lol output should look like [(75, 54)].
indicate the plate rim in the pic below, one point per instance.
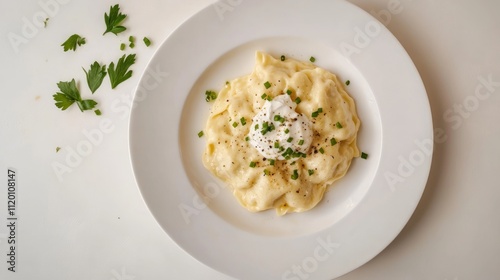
[(201, 12)]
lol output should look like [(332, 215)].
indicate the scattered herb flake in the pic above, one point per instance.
[(210, 95), (95, 76), (333, 141), (70, 94), (113, 20), (72, 42), (120, 73)]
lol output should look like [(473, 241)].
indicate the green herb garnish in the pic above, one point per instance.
[(113, 20), (364, 155), (70, 94), (120, 73), (333, 141), (72, 42), (95, 76), (210, 95), (200, 134), (295, 175)]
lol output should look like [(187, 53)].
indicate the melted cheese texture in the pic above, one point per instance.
[(297, 183)]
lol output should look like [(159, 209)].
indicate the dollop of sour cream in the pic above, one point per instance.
[(277, 129)]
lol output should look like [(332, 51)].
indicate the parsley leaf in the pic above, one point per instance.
[(121, 73), (72, 42), (70, 94), (113, 20), (95, 76)]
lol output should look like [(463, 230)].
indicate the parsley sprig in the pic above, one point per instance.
[(114, 19), (95, 76), (70, 94), (72, 42), (120, 73)]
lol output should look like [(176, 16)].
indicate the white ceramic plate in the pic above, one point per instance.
[(359, 216)]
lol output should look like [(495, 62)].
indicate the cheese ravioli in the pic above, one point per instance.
[(298, 182)]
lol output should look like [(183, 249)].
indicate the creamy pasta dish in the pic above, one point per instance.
[(281, 135)]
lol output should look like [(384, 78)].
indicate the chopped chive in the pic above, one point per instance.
[(276, 144), (293, 163), (210, 95), (277, 118), (256, 126), (295, 175), (227, 82), (289, 140), (271, 162), (282, 149), (58, 149), (247, 138), (131, 39), (252, 164), (269, 98), (310, 171), (286, 131), (287, 153), (312, 59), (333, 141), (122, 47), (347, 82), (321, 150), (320, 110), (98, 112), (243, 121), (146, 41), (296, 154), (289, 92), (338, 125), (266, 172), (364, 155), (235, 124), (314, 114), (131, 45), (263, 96), (267, 84), (200, 134), (301, 142), (297, 100), (282, 58)]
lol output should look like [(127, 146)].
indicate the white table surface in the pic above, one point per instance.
[(91, 222)]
